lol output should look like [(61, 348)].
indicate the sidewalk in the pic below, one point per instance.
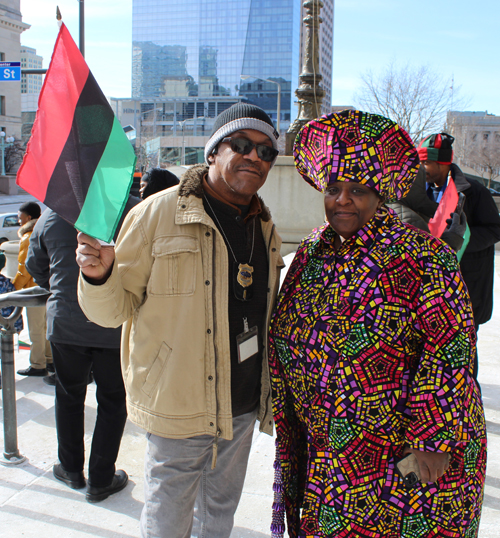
[(35, 505), (9, 203)]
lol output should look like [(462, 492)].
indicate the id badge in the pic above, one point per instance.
[(248, 344)]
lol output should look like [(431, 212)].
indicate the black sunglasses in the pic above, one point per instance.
[(243, 146)]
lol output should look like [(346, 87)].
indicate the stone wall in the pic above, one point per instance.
[(296, 207), (8, 185)]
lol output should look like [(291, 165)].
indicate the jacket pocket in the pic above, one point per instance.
[(174, 266), (156, 370)]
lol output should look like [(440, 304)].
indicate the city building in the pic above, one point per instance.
[(31, 85), (188, 53), (31, 60), (477, 142), (11, 27), (171, 131)]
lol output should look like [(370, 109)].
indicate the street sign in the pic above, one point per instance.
[(10, 70)]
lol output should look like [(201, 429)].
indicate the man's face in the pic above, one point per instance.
[(142, 187), (238, 177), (435, 173)]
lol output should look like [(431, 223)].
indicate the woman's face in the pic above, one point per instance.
[(349, 206)]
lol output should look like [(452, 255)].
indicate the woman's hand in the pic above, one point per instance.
[(432, 465), (94, 259)]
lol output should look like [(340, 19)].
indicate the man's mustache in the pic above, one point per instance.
[(253, 168)]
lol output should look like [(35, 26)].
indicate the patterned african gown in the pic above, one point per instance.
[(371, 350)]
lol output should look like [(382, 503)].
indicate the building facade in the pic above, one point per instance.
[(31, 85), (169, 131), (477, 142), (203, 51), (31, 60), (11, 27)]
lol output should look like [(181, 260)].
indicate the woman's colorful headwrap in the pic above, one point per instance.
[(357, 146)]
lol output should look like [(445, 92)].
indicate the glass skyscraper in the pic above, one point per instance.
[(188, 49), (192, 59)]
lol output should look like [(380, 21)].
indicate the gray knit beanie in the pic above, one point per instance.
[(238, 117)]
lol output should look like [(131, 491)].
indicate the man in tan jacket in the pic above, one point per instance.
[(40, 353), (193, 282)]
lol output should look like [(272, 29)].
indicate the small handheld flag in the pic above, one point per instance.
[(78, 161), (447, 205)]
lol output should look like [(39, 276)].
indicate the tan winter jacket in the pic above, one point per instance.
[(169, 287)]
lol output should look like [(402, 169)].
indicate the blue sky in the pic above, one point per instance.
[(457, 38)]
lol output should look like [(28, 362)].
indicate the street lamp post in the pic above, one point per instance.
[(278, 106), (4, 144), (183, 154), (142, 119), (309, 93), (181, 124)]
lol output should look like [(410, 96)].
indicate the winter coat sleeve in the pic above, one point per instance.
[(23, 279), (37, 260), (112, 303), (444, 401), (483, 219), (6, 287)]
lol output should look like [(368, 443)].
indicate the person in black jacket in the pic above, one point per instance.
[(477, 264), (79, 346), (156, 180)]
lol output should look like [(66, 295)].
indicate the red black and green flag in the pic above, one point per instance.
[(78, 161)]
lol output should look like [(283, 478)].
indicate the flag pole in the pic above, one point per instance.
[(82, 27)]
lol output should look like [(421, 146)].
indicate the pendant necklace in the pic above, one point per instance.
[(242, 273)]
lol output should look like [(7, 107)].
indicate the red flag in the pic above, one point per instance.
[(79, 161), (447, 205)]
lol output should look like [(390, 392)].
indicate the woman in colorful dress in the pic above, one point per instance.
[(372, 341)]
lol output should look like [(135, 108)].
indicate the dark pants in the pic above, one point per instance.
[(73, 365), (476, 358)]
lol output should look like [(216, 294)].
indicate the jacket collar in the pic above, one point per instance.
[(459, 178), (26, 228), (190, 198)]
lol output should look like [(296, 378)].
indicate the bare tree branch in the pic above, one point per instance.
[(486, 161), (417, 98), (14, 156)]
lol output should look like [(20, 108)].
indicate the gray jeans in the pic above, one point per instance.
[(184, 497)]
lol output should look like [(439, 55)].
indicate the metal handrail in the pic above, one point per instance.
[(29, 297)]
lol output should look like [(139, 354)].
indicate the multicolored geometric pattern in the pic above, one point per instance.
[(371, 350), (357, 146)]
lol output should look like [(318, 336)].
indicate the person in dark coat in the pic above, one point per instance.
[(417, 209), (79, 347), (156, 180), (477, 263)]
